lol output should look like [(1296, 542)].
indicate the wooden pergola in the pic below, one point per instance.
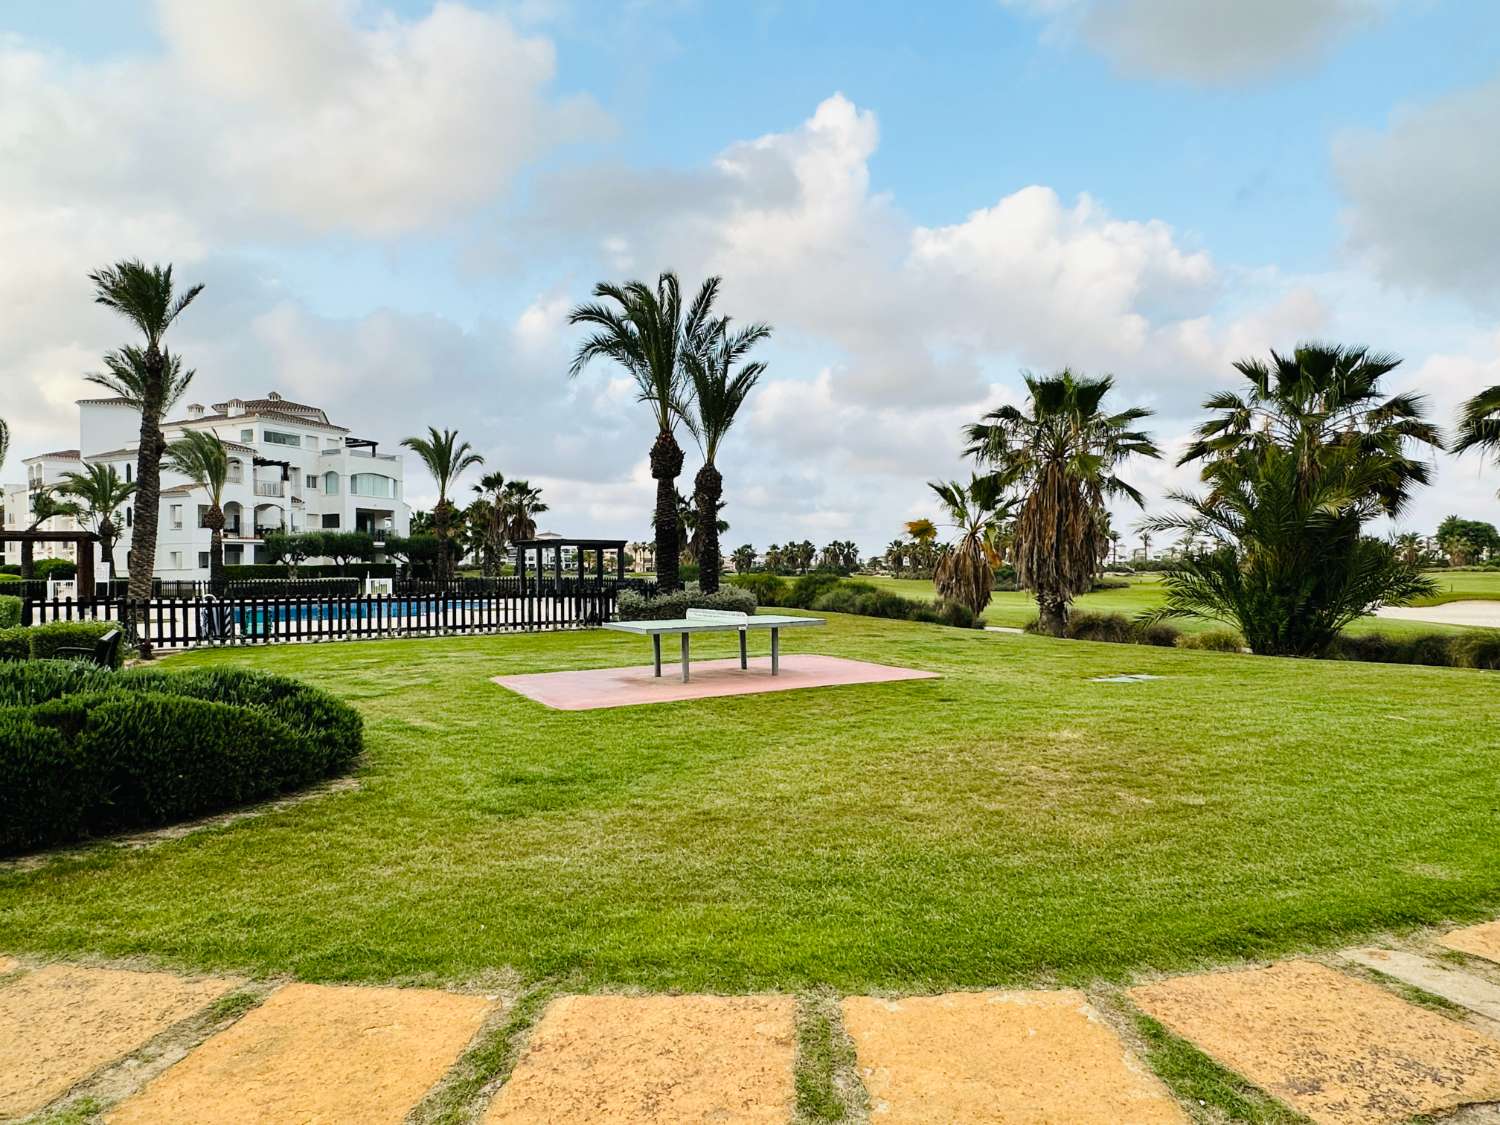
[(524, 548)]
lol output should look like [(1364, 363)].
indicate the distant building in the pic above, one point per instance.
[(642, 558), (290, 469)]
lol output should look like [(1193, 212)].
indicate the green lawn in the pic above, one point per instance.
[(1011, 822), (1016, 608)]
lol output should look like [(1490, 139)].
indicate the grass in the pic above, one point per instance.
[(1198, 1080), (1011, 823), (1014, 608)]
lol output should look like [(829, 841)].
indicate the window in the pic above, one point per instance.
[(129, 469), (372, 484), (276, 437), (129, 517), (203, 560), (312, 482), (330, 521), (176, 560), (331, 483), (247, 436), (177, 516), (202, 515)]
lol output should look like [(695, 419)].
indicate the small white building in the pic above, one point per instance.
[(290, 469)]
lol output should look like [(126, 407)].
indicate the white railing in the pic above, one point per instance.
[(270, 488)]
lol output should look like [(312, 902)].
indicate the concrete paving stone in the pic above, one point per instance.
[(1477, 941), (1447, 981)]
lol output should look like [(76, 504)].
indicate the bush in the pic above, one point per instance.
[(15, 644), (59, 569), (47, 639), (663, 607), (241, 571), (86, 749), (769, 589), (10, 611), (810, 587), (1214, 640), (1477, 649), (1115, 628)]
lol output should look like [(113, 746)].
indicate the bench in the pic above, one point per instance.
[(713, 621), (104, 651)]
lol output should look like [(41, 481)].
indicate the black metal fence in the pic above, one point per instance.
[(167, 623)]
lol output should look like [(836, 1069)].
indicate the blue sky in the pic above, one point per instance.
[(394, 205)]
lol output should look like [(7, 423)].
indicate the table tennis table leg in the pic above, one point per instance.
[(656, 652), (685, 657), (775, 652), (744, 658)]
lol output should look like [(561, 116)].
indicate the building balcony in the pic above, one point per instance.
[(270, 488)]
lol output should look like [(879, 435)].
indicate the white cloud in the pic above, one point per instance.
[(1205, 41), (294, 115), (1422, 194)]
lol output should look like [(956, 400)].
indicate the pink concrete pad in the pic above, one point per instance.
[(626, 687)]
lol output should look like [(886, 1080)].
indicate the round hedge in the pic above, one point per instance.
[(86, 750)]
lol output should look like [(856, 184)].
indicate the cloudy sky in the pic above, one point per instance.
[(394, 204)]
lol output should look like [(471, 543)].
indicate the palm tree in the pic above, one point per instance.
[(44, 506), (4, 441), (648, 333), (1114, 546), (895, 555), (1479, 424), (966, 574), (521, 504), (201, 457), (100, 492), (151, 379), (446, 459), (1409, 547), (744, 558), (774, 560), (488, 514), (721, 382), (1061, 454)]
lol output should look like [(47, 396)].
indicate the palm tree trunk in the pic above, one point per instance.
[(1052, 612), (666, 466), (147, 489), (708, 487), (213, 519), (107, 544)]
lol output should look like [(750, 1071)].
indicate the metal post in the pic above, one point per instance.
[(685, 636), (557, 571), (619, 564), (656, 652), (744, 658), (775, 652)]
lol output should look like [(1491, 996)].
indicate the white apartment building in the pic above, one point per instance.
[(290, 469)]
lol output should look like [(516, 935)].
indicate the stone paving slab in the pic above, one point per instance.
[(61, 1023), (1477, 941), (313, 1053), (666, 1059), (1447, 981), (1340, 1050), (1000, 1057)]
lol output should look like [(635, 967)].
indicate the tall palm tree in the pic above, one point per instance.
[(721, 382), (1060, 454), (44, 506), (966, 574), (201, 457), (489, 521), (521, 504), (744, 558), (895, 555), (1479, 424), (100, 493), (1409, 547), (4, 441), (151, 379), (648, 332), (446, 459)]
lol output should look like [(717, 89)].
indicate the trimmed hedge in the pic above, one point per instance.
[(10, 611), (769, 589), (46, 639), (1214, 640), (1116, 628), (85, 750), (305, 570), (663, 607), (1477, 648), (866, 600)]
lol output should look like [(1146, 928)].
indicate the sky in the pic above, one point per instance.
[(393, 206)]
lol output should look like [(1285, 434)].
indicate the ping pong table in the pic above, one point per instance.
[(713, 621)]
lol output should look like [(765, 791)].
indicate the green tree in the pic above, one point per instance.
[(1479, 534), (744, 559), (201, 457), (446, 459), (521, 504), (151, 379), (895, 555), (1479, 424), (648, 332), (45, 505), (1060, 455), (966, 574), (487, 515), (720, 381), (100, 493)]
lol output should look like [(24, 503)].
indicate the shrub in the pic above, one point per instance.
[(59, 569), (810, 587), (1214, 640), (1381, 648), (86, 749), (769, 589), (15, 644), (1157, 633), (1477, 649), (10, 611), (1115, 628), (47, 639), (662, 607)]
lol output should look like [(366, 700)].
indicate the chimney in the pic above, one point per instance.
[(195, 410), (235, 407)]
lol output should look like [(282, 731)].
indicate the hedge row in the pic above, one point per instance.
[(41, 642), (304, 570), (10, 611), (665, 607), (85, 750), (826, 591)]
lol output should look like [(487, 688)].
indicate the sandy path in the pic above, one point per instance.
[(1477, 613)]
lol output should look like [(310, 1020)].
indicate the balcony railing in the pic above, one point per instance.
[(270, 488)]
